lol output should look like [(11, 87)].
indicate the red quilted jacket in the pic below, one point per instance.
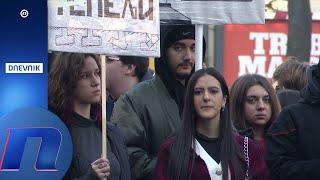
[(257, 168)]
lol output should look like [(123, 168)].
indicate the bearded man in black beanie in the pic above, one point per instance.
[(292, 143), (150, 112)]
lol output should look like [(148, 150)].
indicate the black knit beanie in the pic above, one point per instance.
[(181, 32)]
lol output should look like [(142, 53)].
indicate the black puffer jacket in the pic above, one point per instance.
[(292, 143)]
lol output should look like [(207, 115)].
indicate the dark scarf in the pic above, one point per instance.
[(169, 35), (174, 87), (311, 93)]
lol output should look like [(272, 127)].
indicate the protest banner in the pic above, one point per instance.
[(119, 27), (220, 11)]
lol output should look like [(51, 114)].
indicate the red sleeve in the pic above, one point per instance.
[(257, 163), (160, 171)]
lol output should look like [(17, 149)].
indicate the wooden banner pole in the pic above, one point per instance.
[(104, 106)]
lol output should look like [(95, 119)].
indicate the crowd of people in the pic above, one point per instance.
[(179, 123)]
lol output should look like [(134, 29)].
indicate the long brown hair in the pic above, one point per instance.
[(238, 96), (185, 140), (64, 74)]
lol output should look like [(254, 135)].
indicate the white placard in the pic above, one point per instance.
[(220, 11), (119, 27)]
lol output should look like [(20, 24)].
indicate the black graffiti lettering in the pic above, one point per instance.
[(107, 13), (133, 10), (100, 8), (60, 10), (104, 7), (149, 13), (89, 8), (74, 12)]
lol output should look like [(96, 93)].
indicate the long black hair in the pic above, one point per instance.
[(180, 156)]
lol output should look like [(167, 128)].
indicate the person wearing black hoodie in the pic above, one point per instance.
[(150, 112), (292, 147)]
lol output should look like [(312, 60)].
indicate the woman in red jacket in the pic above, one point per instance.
[(206, 146), (253, 106)]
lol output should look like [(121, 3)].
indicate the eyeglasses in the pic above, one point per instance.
[(111, 59)]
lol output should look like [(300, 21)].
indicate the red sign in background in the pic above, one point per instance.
[(260, 48)]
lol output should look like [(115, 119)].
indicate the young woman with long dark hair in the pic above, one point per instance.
[(253, 106), (74, 95), (206, 146)]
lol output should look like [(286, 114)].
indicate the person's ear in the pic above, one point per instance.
[(130, 71)]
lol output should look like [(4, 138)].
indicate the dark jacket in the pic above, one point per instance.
[(288, 96), (293, 150), (147, 115), (257, 169), (175, 89), (110, 105), (86, 139), (110, 101)]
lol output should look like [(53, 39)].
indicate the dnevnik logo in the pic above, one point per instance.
[(35, 144)]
